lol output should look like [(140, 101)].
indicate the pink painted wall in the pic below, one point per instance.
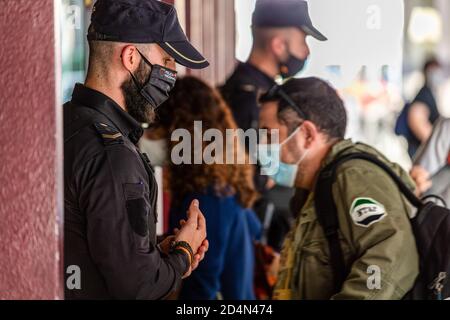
[(30, 161)]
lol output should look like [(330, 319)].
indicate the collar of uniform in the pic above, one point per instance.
[(337, 149), (262, 80), (109, 108), (308, 212), (307, 208)]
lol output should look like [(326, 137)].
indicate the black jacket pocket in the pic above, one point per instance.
[(138, 216)]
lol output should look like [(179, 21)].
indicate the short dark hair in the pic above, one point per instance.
[(100, 53), (263, 36), (315, 100)]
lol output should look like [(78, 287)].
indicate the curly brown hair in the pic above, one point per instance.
[(193, 100)]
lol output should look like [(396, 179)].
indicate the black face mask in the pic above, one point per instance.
[(291, 66), (161, 81), (136, 105)]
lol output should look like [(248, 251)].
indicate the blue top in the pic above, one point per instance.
[(229, 264)]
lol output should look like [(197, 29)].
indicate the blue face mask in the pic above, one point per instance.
[(269, 157)]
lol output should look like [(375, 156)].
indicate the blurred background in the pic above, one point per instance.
[(374, 56)]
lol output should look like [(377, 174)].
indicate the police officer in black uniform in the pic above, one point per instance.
[(279, 50), (110, 189)]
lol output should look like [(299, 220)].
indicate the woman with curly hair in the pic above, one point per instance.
[(225, 191)]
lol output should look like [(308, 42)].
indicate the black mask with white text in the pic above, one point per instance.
[(161, 81)]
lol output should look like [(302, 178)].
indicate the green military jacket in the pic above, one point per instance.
[(375, 234)]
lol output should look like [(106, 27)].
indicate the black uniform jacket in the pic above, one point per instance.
[(242, 90), (110, 206)]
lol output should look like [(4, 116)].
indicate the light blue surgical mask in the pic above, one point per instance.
[(269, 157)]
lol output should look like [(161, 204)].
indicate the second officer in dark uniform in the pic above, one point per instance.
[(279, 50), (110, 189)]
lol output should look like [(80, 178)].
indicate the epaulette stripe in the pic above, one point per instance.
[(112, 136)]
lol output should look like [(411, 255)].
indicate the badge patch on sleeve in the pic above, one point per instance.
[(366, 211)]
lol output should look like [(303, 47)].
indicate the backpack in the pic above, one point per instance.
[(431, 227)]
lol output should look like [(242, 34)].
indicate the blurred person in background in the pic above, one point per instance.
[(154, 141), (423, 112), (431, 170), (226, 193), (279, 49)]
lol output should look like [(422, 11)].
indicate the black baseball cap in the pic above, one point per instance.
[(144, 21), (285, 13)]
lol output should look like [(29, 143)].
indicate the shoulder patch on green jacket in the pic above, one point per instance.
[(366, 211)]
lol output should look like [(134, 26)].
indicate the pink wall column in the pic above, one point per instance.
[(30, 153)]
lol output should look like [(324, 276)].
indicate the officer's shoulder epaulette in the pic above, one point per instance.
[(248, 88), (109, 134)]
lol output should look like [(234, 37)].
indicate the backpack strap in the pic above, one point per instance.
[(326, 210)]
